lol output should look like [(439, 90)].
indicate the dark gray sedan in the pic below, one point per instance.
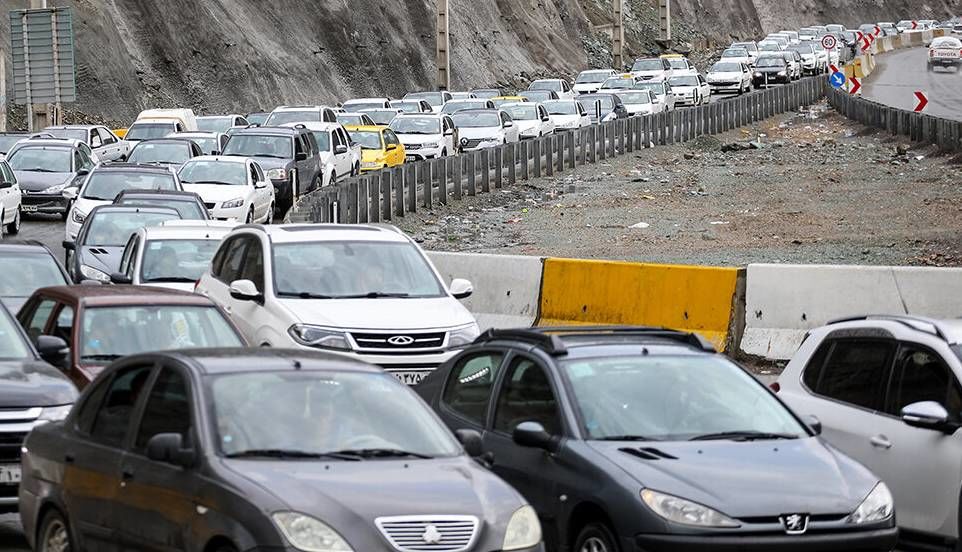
[(268, 450)]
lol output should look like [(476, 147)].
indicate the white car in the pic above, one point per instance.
[(10, 195), (105, 182), (781, 40), (435, 98), (485, 128), (211, 143), (945, 51), (340, 157), (348, 118), (638, 102), (690, 90), (769, 46), (736, 55), (590, 81), (567, 114), (752, 49), (618, 83), (794, 66), (233, 188), (360, 104), (652, 69), (453, 106), (531, 118), (729, 76), (172, 255), (221, 123), (887, 391), (300, 114), (412, 106), (821, 55), (426, 135), (558, 86), (680, 65), (102, 141), (809, 58), (364, 292), (661, 92)]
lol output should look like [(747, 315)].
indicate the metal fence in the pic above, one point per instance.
[(945, 133), (389, 193)]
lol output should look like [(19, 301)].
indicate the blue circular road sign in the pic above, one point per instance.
[(837, 79)]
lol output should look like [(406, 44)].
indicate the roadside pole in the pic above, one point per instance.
[(443, 46), (38, 115), (3, 91), (664, 15), (618, 35)]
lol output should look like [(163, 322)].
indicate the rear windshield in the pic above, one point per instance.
[(723, 67), (735, 52), (253, 145), (476, 119), (593, 76), (546, 85), (149, 131), (279, 118), (648, 65)]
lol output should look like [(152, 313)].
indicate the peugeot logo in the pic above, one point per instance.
[(431, 534), (795, 524), (400, 340)]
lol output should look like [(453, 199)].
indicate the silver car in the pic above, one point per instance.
[(887, 392), (104, 143)]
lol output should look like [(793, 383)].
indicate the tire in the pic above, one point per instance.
[(596, 537), (270, 214), (225, 548), (444, 153), (13, 228), (250, 216), (54, 534), (317, 184), (333, 179)]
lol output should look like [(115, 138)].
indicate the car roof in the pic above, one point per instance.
[(221, 158), (48, 143), (479, 110), (267, 131), (316, 126), (192, 229), (422, 115), (131, 167), (300, 108), (218, 116), (165, 140), (295, 233), (68, 127), (106, 295), (366, 128), (24, 246), (226, 361), (524, 104), (583, 341), (357, 100), (948, 330)]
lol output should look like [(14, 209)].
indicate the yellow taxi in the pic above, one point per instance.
[(501, 100), (380, 147)]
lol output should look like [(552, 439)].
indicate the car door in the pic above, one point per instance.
[(35, 316), (250, 266), (449, 135), (258, 195), (158, 500), (111, 148), (225, 268), (9, 197), (395, 151), (305, 167), (97, 145), (342, 153), (464, 400), (265, 189)]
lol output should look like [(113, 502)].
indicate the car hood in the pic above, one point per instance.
[(587, 86), (33, 181), (647, 74), (750, 479), (216, 193), (639, 108), (682, 89), (33, 383), (104, 259), (380, 314), (565, 119), (474, 133), (724, 75), (770, 69), (419, 138), (525, 125), (268, 163)]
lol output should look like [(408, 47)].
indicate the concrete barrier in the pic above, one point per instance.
[(506, 287), (706, 300), (783, 302)]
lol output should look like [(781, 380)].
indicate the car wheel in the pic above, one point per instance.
[(54, 534), (270, 215), (318, 183), (596, 537), (333, 179), (444, 153), (14, 227), (250, 215)]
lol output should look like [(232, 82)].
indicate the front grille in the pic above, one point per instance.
[(398, 342), (429, 533), (472, 143), (10, 444), (412, 146)]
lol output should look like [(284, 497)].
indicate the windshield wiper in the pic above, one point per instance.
[(270, 155), (172, 279), (374, 295), (627, 438), (743, 436), (290, 453), (39, 169), (382, 453), (103, 356), (209, 182), (303, 295)]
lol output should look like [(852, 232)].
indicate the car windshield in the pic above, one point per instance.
[(735, 53), (7, 142), (368, 139), (433, 98), (546, 85), (106, 185), (561, 108), (358, 106), (538, 95), (23, 273), (947, 42), (769, 47), (634, 98), (149, 131), (349, 119), (112, 332), (673, 398), (486, 93), (12, 344), (723, 67), (354, 269), (206, 144), (746, 45), (685, 80), (416, 125), (176, 260), (71, 133), (260, 145), (593, 77), (476, 119), (618, 83), (407, 106), (382, 117), (678, 63), (654, 87), (113, 228), (214, 124), (146, 152), (188, 209), (227, 173), (257, 118), (770, 62), (278, 118), (350, 416), (41, 159), (588, 102), (454, 107), (648, 65), (522, 112)]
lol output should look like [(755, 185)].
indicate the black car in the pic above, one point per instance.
[(223, 450), (771, 70), (644, 439), (25, 266), (32, 392), (44, 167), (164, 151), (96, 253), (188, 204), (603, 107)]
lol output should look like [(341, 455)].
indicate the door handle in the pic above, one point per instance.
[(881, 441)]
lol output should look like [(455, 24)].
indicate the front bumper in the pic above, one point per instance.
[(43, 203), (717, 87), (684, 100), (407, 368), (480, 146), (234, 213), (878, 540), (414, 153)]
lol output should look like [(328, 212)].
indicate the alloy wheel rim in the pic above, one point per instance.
[(594, 544), (56, 538)]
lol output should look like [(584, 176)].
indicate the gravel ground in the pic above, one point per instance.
[(811, 187)]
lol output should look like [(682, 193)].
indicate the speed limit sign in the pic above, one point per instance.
[(829, 42)]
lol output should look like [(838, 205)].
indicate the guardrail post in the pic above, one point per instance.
[(486, 170), (472, 172), (398, 178), (411, 184), (460, 167), (546, 144), (601, 150), (499, 167), (612, 133), (387, 206), (523, 146), (363, 200), (511, 160), (558, 145), (569, 143), (342, 203), (427, 182), (443, 172), (374, 197)]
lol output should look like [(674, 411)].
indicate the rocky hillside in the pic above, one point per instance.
[(243, 55)]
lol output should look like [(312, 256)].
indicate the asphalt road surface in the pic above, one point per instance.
[(48, 230), (900, 73)]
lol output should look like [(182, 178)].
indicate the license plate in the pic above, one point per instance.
[(10, 474), (411, 377), (29, 208), (410, 158)]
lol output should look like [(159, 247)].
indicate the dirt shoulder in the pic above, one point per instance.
[(813, 187)]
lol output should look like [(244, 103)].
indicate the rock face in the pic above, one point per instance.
[(244, 55)]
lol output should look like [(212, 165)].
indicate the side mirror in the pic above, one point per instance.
[(300, 156), (169, 448), (341, 148), (546, 118), (509, 124), (813, 423), (69, 245), (260, 184), (391, 147), (461, 288), (52, 349), (928, 415), (449, 132), (69, 193), (82, 172), (244, 290), (471, 441), (534, 435), (120, 278)]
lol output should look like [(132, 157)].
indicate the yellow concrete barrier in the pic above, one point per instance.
[(693, 298)]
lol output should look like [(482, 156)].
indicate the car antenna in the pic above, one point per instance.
[(297, 364)]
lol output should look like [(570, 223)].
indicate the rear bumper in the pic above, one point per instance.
[(879, 540), (945, 62)]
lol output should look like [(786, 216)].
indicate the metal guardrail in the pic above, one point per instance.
[(388, 193)]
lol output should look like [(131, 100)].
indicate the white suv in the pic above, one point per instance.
[(364, 291), (886, 391)]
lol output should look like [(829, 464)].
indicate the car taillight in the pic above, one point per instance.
[(774, 386)]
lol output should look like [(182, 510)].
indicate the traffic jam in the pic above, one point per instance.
[(193, 375)]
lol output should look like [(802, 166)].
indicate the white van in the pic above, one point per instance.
[(158, 123)]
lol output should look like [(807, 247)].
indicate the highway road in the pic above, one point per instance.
[(900, 73)]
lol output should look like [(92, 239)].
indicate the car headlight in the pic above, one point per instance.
[(309, 534), (781, 73), (276, 174), (685, 512), (877, 506), (322, 338), (758, 73), (610, 117), (233, 203), (464, 335), (54, 413), (78, 217), (524, 530), (55, 189), (94, 274)]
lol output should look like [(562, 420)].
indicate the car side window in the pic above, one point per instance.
[(87, 410), (36, 322), (852, 371), (229, 266), (95, 140), (113, 417), (329, 116), (253, 266), (167, 409), (390, 138), (919, 375), (526, 396), (471, 384), (505, 118), (63, 327), (106, 137), (78, 162), (298, 145), (127, 259), (258, 172), (338, 140), (252, 173)]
